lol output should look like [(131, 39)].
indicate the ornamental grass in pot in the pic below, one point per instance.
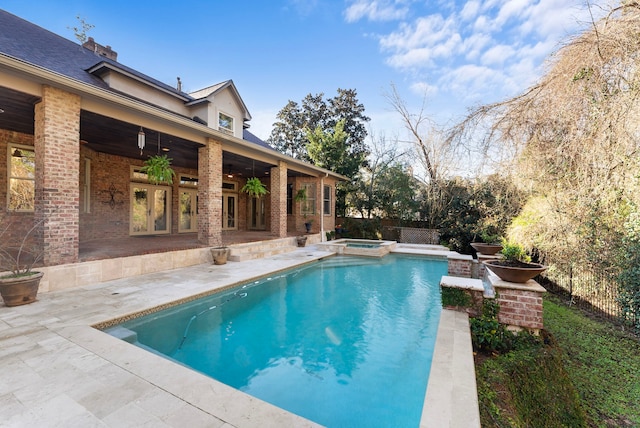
[(516, 264), (19, 283)]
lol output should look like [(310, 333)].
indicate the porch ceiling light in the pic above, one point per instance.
[(141, 140)]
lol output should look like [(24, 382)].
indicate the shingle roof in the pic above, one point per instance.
[(48, 50), (28, 42), (248, 136)]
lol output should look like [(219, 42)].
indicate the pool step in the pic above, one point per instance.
[(260, 249)]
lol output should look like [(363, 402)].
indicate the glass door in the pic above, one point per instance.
[(188, 221), (257, 214), (229, 211), (149, 209)]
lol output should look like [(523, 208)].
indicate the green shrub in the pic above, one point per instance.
[(487, 334), (456, 297), (629, 277), (514, 252)]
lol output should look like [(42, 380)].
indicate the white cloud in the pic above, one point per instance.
[(473, 51), (474, 45), (512, 9), (376, 10), (425, 31), (470, 10), (497, 55), (423, 88)]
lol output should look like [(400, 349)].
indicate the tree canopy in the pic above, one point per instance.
[(289, 134)]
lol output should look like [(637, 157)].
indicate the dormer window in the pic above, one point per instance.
[(225, 123)]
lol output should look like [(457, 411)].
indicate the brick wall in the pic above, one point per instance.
[(460, 265), (520, 308), (296, 221), (110, 198)]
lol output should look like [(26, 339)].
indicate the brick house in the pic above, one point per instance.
[(72, 123)]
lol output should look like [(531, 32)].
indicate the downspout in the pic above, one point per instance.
[(323, 236)]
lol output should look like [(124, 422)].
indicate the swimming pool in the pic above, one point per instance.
[(343, 342)]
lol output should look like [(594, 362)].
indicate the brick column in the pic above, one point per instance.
[(279, 200), (57, 152), (210, 194)]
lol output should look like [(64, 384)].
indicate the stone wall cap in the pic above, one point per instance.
[(458, 256), (460, 282), (530, 285)]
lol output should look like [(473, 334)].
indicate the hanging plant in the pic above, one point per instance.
[(158, 169), (254, 188), (301, 195)]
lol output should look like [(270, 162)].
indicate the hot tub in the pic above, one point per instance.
[(359, 247)]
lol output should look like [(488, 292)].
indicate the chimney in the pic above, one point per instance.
[(98, 49)]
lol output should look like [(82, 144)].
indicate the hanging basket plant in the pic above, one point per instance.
[(301, 195), (158, 169), (254, 188)]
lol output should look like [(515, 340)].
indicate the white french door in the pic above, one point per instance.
[(188, 213), (257, 214), (150, 209), (229, 211)]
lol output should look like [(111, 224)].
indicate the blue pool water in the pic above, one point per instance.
[(344, 342)]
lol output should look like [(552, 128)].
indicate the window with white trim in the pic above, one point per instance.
[(21, 171), (225, 123), (326, 200)]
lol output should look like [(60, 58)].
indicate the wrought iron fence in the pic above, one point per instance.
[(595, 291)]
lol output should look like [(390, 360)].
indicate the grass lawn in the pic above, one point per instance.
[(583, 373)]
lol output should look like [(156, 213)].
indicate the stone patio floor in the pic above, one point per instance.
[(58, 371)]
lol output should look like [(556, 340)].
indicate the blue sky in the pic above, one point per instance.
[(458, 53)]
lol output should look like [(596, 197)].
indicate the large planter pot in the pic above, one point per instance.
[(219, 255), (20, 290), (301, 240), (486, 249), (514, 272)]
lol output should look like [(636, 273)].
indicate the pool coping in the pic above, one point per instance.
[(66, 319)]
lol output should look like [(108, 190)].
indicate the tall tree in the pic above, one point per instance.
[(330, 150), (289, 131), (366, 198), (288, 134), (318, 118)]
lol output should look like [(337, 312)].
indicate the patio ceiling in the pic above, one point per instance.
[(107, 135)]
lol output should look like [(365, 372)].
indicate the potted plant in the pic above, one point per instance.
[(301, 240), (489, 246), (515, 266), (158, 169), (220, 255), (19, 285), (308, 223), (254, 188)]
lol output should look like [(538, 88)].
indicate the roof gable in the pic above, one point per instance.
[(213, 90)]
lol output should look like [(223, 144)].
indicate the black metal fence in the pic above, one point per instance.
[(592, 290)]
